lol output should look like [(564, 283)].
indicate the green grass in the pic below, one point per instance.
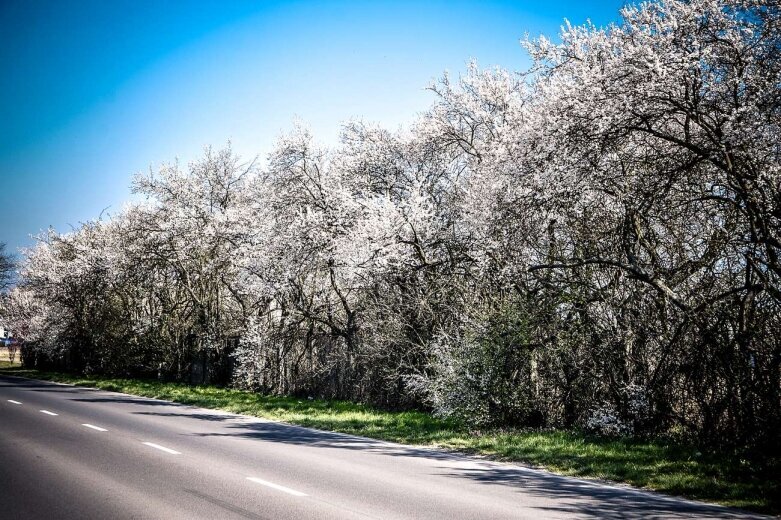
[(665, 467)]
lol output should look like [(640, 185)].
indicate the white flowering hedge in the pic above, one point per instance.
[(621, 198)]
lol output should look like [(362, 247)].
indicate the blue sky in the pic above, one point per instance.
[(94, 91)]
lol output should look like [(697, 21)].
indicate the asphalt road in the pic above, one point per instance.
[(69, 452)]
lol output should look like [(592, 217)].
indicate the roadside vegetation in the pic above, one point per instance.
[(590, 245), (666, 467)]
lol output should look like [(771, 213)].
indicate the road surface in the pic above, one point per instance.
[(69, 452)]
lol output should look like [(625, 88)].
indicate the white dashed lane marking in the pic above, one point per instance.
[(98, 428), (162, 448), (47, 412), (277, 487)]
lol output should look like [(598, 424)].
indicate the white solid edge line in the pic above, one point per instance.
[(47, 412), (162, 448), (12, 401), (98, 428), (277, 487)]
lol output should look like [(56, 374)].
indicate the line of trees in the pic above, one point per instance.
[(6, 268), (595, 243)]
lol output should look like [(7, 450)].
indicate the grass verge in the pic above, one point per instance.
[(668, 468)]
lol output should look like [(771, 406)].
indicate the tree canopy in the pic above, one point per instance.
[(594, 242)]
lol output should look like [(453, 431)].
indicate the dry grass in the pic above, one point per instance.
[(6, 358)]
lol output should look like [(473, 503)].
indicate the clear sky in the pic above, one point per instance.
[(93, 91)]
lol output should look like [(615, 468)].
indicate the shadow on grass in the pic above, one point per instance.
[(559, 494), (667, 468)]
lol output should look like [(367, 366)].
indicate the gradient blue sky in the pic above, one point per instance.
[(94, 91)]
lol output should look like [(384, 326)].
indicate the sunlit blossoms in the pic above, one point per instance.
[(595, 242)]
